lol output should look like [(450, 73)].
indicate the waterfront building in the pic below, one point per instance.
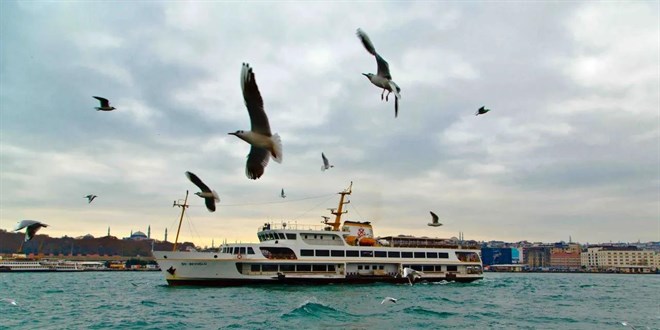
[(537, 256), (565, 260), (627, 259), (496, 256)]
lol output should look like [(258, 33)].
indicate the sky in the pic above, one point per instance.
[(570, 148)]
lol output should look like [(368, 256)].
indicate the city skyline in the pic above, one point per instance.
[(571, 145)]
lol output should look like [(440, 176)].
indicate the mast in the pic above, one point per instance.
[(338, 212), (183, 210)]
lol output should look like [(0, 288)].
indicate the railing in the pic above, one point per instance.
[(292, 226)]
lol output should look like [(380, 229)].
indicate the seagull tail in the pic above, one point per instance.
[(395, 89), (323, 168), (277, 148), (215, 196)]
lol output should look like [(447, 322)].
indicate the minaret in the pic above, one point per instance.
[(108, 231), (149, 232), (165, 234)]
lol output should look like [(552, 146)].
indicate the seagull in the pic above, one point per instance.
[(105, 104), (32, 228), (435, 222), (210, 196), (383, 78), (626, 324), (90, 198), (388, 299), (282, 194), (263, 143), (326, 163), (481, 111), (411, 274), (11, 301)]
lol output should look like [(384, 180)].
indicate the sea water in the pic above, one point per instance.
[(143, 300)]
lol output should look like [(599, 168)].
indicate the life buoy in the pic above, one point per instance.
[(238, 256)]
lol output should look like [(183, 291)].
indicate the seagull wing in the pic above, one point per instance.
[(325, 160), (104, 102), (194, 179), (25, 223), (254, 102), (434, 216), (256, 162), (210, 204), (383, 67)]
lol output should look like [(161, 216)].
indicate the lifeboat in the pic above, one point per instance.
[(366, 241)]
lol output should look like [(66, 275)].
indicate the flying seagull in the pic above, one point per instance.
[(282, 194), (31, 226), (435, 222), (411, 274), (481, 111), (105, 104), (90, 198), (383, 78), (210, 196), (388, 299), (326, 163), (263, 143)]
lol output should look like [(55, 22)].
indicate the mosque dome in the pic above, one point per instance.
[(138, 235)]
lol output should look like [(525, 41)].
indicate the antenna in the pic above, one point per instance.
[(183, 210)]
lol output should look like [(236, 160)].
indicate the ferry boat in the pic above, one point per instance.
[(338, 252), (37, 265)]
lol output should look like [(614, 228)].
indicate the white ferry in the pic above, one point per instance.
[(336, 253), (36, 265)]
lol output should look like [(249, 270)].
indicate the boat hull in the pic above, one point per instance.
[(219, 282)]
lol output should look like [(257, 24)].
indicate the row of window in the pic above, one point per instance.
[(237, 250), (370, 254), (273, 236), (292, 268), (432, 268)]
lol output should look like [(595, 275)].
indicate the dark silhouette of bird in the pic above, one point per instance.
[(382, 78), (210, 196), (282, 194), (105, 104), (326, 164), (90, 198), (263, 143), (434, 219), (32, 226), (481, 111)]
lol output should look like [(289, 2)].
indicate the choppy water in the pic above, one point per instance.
[(132, 300)]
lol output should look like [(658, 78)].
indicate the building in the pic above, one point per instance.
[(537, 256), (565, 259), (137, 236), (627, 259), (496, 256)]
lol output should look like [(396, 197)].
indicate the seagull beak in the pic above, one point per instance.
[(366, 75), (231, 133)]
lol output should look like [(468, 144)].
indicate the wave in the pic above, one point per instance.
[(423, 311), (311, 308)]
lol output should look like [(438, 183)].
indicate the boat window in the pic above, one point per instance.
[(394, 254), (290, 236), (314, 236), (337, 253), (433, 255), (443, 255), (242, 250), (416, 267), (250, 251), (427, 268), (438, 268), (420, 255), (305, 236), (406, 254), (288, 268), (235, 249), (381, 254), (268, 268), (359, 267), (452, 268), (319, 268), (366, 267), (307, 253), (255, 268), (381, 267), (303, 268), (331, 268), (352, 253), (322, 253), (281, 236), (366, 254)]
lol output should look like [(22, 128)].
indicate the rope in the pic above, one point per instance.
[(265, 203), (312, 208)]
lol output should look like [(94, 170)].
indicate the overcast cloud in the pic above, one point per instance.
[(571, 146)]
